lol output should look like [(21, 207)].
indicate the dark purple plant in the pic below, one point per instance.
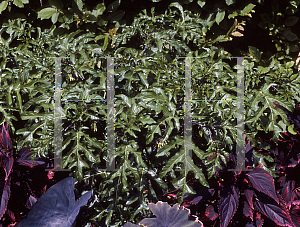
[(57, 207), (250, 198)]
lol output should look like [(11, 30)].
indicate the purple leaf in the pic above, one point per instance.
[(296, 219), (263, 182), (193, 199), (210, 213), (273, 212), (57, 207), (5, 193), (259, 220), (249, 197), (228, 204), (5, 141), (247, 210), (7, 165), (25, 159), (287, 189), (31, 200)]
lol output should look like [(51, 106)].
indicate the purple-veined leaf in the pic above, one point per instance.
[(7, 165), (5, 140), (210, 213), (286, 190), (57, 207), (247, 211), (263, 182), (272, 211), (228, 204), (249, 197)]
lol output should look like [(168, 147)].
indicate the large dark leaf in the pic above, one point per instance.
[(228, 204), (272, 211), (57, 207), (167, 216), (263, 182)]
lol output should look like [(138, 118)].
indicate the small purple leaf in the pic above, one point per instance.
[(228, 204), (5, 141), (7, 165), (31, 200), (5, 193), (247, 210), (249, 196), (210, 213), (25, 159), (259, 220)]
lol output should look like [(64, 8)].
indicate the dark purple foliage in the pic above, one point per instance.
[(228, 204), (57, 207), (253, 198), (29, 180)]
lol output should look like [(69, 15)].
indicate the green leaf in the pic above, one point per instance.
[(3, 6), (201, 3), (105, 42), (254, 52), (291, 129), (54, 17), (232, 15), (79, 4), (178, 6), (25, 1), (126, 99), (100, 8), (247, 9), (18, 3), (46, 13), (290, 21), (229, 2), (220, 16)]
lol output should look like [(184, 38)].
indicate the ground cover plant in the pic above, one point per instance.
[(147, 42)]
